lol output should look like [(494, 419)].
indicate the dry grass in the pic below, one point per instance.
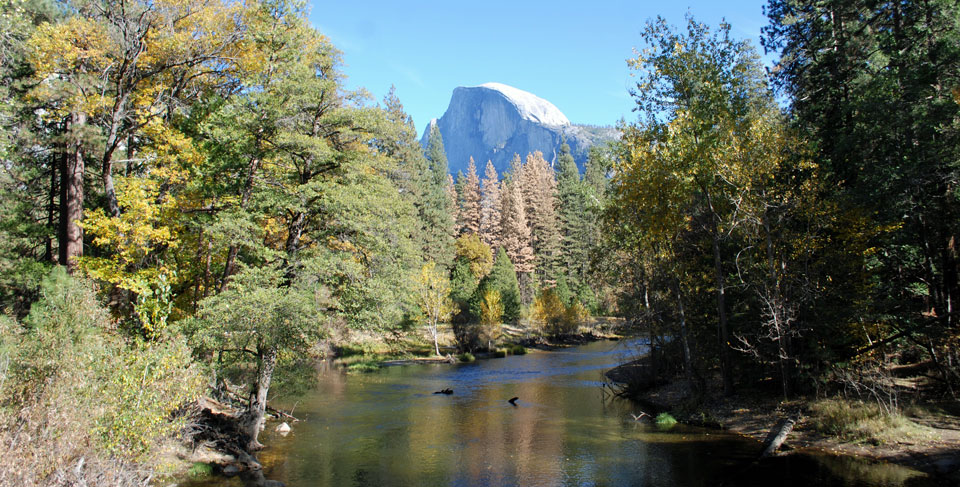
[(865, 422)]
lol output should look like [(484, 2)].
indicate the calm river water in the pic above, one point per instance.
[(388, 429)]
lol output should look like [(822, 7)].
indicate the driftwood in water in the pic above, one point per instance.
[(777, 436), (278, 412), (233, 393), (446, 391)]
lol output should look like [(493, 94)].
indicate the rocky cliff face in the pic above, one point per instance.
[(494, 121)]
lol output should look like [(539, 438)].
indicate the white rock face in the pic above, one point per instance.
[(529, 106), (494, 121)]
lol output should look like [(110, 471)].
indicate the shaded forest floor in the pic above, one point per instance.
[(931, 442)]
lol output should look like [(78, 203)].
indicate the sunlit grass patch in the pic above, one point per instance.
[(866, 422), (200, 470)]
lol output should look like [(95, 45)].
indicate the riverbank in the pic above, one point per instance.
[(360, 352), (926, 438)]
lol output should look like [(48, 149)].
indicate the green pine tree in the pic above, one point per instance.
[(502, 278), (434, 208)]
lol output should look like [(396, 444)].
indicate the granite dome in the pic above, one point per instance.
[(494, 121)]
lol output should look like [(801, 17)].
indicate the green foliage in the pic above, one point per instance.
[(665, 420), (71, 371), (434, 208), (200, 470), (260, 312), (884, 127), (463, 285), (563, 291), (466, 334), (153, 308), (466, 357), (518, 350), (68, 315), (139, 388), (503, 279)]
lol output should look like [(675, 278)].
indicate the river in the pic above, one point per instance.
[(387, 428)]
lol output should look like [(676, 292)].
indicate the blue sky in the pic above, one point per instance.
[(572, 53)]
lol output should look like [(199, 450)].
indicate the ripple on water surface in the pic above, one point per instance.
[(388, 428)]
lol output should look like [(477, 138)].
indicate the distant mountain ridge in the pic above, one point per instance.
[(494, 121)]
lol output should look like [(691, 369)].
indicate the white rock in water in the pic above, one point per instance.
[(283, 428)]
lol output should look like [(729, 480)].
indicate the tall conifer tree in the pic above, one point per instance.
[(538, 185), (572, 217), (515, 230), (453, 202), (490, 207), (470, 213), (435, 208)]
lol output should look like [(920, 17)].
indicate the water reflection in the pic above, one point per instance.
[(388, 428)]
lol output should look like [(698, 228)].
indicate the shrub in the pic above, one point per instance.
[(518, 350), (76, 389), (200, 470), (547, 311), (665, 420), (467, 336), (138, 387), (552, 317), (499, 353), (466, 357), (575, 314)]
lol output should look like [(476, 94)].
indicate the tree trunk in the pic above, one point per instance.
[(651, 330), (70, 238), (777, 436), (106, 163), (252, 421), (777, 309), (684, 338), (51, 212), (725, 369), (295, 232)]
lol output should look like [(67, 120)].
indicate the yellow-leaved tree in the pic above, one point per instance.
[(111, 69), (432, 294)]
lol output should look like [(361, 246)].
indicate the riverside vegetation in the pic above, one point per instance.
[(192, 204)]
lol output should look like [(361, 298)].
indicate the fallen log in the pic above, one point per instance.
[(233, 393), (777, 436), (281, 413)]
